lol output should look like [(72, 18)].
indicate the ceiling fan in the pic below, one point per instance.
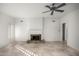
[(53, 8)]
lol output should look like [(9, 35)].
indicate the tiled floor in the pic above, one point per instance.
[(38, 49)]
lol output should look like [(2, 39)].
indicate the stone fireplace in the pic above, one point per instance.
[(35, 37)]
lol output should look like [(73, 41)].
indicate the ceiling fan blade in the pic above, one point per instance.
[(59, 10), (61, 5), (48, 6), (52, 12), (46, 11)]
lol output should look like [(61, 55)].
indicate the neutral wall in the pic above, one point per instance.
[(24, 29), (51, 30), (73, 39), (4, 22), (72, 20), (48, 29)]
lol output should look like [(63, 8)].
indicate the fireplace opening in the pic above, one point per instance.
[(35, 37)]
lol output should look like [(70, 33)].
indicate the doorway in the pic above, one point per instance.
[(64, 32)]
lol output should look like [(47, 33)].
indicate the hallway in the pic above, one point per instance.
[(38, 49)]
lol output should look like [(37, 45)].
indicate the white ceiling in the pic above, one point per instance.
[(23, 10)]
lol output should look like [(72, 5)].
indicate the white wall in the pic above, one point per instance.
[(51, 30), (21, 30), (72, 20), (73, 39), (34, 25), (4, 22), (29, 26)]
